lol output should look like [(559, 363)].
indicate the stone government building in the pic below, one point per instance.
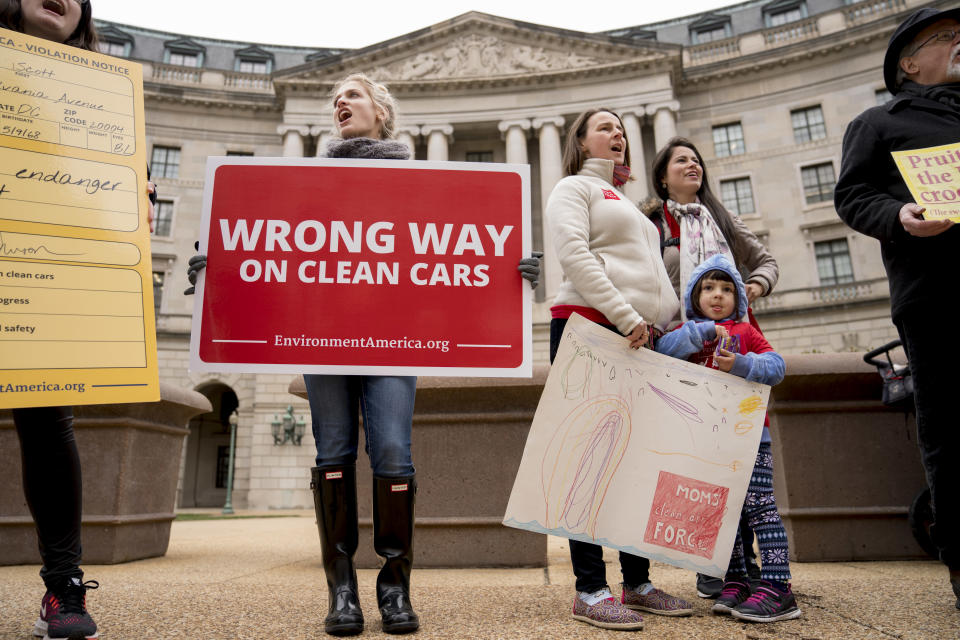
[(765, 89)]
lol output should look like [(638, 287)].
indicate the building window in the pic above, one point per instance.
[(833, 262), (165, 162), (162, 217), (479, 156), (157, 291), (818, 182), (883, 97), (728, 140), (709, 35), (184, 53), (780, 12), (808, 124), (783, 17), (184, 59), (709, 27), (115, 48), (253, 66), (737, 196)]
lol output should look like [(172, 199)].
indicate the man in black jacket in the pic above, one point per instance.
[(922, 70)]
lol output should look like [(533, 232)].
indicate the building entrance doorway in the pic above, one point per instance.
[(208, 450)]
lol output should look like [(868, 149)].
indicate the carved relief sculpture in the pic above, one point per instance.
[(477, 55)]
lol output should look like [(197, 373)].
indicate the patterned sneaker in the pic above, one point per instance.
[(655, 601), (606, 612), (708, 586), (768, 604), (63, 612), (735, 593)]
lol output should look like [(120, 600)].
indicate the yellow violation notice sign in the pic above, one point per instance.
[(76, 286), (933, 177)]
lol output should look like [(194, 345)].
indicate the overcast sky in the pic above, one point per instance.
[(313, 23)]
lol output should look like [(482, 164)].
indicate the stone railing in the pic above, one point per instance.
[(822, 24), (846, 467), (130, 455), (209, 78), (871, 10), (469, 435), (714, 51), (791, 32), (819, 296), (248, 81), (175, 73)]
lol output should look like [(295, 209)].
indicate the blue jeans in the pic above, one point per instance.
[(387, 406)]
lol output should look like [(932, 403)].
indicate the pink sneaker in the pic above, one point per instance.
[(768, 604), (607, 614), (735, 593)]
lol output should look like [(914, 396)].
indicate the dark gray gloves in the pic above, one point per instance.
[(194, 266), (529, 268)]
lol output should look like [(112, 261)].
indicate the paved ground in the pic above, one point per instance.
[(261, 578)]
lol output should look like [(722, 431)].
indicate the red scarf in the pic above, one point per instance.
[(621, 173)]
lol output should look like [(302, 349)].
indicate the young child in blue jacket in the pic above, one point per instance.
[(715, 301)]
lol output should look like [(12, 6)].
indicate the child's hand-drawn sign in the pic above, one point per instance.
[(639, 452)]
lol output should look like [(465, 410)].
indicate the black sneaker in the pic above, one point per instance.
[(63, 612), (735, 593), (708, 586), (768, 604)]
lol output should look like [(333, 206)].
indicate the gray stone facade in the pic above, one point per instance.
[(765, 89)]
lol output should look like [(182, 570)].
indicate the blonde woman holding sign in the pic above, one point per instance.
[(364, 115)]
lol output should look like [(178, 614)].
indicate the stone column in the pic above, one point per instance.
[(551, 171), (514, 132), (439, 137), (293, 135), (637, 189), (323, 136), (664, 121), (408, 136)]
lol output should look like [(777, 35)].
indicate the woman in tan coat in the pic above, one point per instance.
[(695, 224)]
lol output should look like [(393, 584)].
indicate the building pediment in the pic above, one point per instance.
[(113, 34), (481, 55), (185, 45), (253, 52), (709, 21), (478, 48)]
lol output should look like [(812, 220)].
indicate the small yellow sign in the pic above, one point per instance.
[(933, 177), (76, 288)]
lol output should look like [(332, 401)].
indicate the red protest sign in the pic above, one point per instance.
[(378, 267), (686, 514)]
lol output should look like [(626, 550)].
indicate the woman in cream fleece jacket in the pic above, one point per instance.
[(613, 275), (609, 251)]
